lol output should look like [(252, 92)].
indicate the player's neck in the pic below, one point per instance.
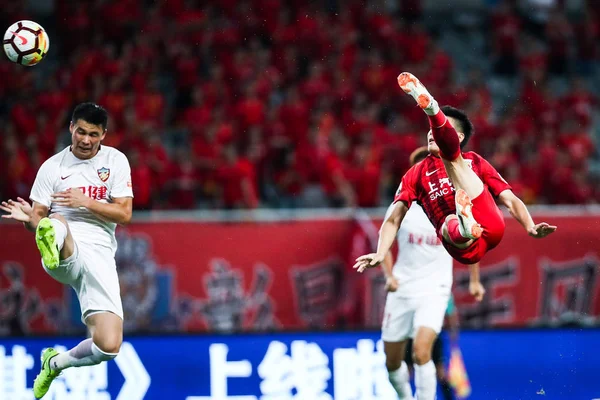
[(84, 159)]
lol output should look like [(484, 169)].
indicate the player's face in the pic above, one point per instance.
[(432, 147), (85, 139)]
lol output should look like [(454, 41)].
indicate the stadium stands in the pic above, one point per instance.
[(272, 103)]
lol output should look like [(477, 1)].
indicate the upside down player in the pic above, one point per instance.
[(468, 222), (88, 188), (419, 292)]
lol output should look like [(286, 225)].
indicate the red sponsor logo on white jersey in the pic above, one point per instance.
[(95, 192), (430, 240)]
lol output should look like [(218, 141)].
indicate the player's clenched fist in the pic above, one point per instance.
[(71, 198), (477, 290), (368, 261), (391, 284)]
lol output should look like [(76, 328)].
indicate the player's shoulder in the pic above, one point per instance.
[(416, 169), (114, 154), (477, 160), (56, 159), (470, 155)]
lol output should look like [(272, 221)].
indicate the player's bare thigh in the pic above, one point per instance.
[(423, 345), (106, 330), (69, 244), (463, 177)]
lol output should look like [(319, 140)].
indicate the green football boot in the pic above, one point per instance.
[(46, 376), (46, 243)]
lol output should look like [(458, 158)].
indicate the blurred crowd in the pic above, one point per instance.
[(273, 103)]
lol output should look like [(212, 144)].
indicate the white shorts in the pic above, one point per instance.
[(92, 272), (404, 315)]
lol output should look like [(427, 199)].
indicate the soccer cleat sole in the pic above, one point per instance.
[(464, 209), (46, 243), (412, 86)]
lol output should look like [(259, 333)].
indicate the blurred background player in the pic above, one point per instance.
[(419, 286), (88, 189), (452, 322)]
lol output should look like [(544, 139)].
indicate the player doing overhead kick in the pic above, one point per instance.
[(455, 189)]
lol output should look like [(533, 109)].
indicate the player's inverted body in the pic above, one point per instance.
[(87, 187), (454, 188)]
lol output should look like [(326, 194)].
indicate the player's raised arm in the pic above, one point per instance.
[(38, 211), (22, 211), (519, 211), (389, 228), (387, 235)]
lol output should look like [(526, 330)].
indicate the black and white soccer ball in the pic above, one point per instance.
[(26, 43)]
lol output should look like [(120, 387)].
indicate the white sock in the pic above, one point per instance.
[(60, 232), (400, 381), (433, 108), (425, 381), (84, 354)]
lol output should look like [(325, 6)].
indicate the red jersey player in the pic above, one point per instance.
[(455, 189)]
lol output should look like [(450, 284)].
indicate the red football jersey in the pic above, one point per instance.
[(428, 184)]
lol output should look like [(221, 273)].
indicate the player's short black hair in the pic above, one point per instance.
[(91, 113), (418, 155), (466, 127)]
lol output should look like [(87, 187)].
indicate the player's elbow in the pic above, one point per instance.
[(126, 218), (510, 201)]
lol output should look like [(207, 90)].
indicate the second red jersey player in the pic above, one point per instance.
[(455, 189)]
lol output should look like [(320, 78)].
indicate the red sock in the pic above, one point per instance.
[(445, 136), (454, 231)]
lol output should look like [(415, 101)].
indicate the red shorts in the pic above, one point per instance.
[(489, 216)]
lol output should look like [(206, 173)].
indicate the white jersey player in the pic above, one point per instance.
[(419, 288), (87, 187)]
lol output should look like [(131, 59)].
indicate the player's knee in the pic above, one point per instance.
[(392, 363), (59, 217), (110, 345), (421, 354)]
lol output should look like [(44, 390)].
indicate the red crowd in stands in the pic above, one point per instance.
[(241, 104)]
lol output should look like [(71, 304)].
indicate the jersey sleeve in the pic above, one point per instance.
[(122, 186), (43, 186), (406, 192), (493, 179)]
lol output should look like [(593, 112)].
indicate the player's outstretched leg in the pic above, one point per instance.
[(467, 184), (107, 335)]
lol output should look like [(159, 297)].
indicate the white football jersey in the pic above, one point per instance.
[(423, 266), (104, 177)]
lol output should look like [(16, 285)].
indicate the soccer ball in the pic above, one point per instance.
[(26, 43)]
